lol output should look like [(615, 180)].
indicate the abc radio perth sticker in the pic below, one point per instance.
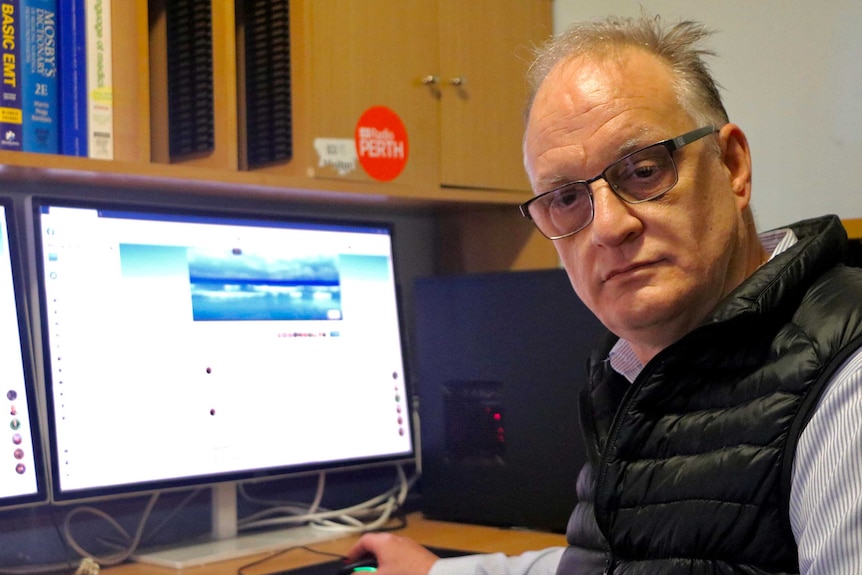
[(381, 143)]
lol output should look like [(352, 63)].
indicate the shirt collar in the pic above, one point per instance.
[(622, 357)]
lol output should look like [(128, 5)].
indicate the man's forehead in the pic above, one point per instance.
[(627, 72), (630, 87)]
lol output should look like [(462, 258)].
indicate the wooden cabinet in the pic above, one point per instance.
[(488, 45), (366, 54), (465, 163), (452, 71)]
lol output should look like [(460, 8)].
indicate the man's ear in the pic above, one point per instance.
[(736, 157)]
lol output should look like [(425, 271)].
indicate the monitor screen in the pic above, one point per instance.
[(21, 466), (187, 348)]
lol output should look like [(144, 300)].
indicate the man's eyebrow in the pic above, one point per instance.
[(641, 140), (553, 182), (645, 138)]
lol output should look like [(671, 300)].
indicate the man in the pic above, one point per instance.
[(723, 415)]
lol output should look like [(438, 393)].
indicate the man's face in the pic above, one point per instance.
[(650, 272)]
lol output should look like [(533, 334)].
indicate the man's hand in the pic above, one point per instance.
[(395, 555)]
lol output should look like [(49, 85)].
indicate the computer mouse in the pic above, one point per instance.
[(364, 565)]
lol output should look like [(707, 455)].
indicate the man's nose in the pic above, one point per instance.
[(613, 219)]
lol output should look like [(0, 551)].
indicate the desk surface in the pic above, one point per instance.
[(425, 531)]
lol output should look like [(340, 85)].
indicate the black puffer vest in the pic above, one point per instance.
[(691, 464)]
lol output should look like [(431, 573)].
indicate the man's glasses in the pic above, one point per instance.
[(643, 175)]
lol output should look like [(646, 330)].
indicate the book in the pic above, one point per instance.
[(268, 113), (73, 78), (10, 88), (100, 98), (39, 100), (191, 80)]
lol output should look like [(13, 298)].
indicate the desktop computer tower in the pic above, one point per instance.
[(500, 361)]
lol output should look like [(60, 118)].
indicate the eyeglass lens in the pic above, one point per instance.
[(638, 177)]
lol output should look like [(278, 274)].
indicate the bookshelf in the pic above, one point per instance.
[(141, 128)]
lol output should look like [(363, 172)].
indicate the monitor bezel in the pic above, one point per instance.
[(17, 243), (227, 213)]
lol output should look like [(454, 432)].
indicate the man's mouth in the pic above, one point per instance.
[(627, 269)]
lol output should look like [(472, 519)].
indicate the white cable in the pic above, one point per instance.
[(133, 541), (357, 526), (318, 496), (351, 524), (301, 507), (176, 509), (254, 522), (309, 516), (382, 505)]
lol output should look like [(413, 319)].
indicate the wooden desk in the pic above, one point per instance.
[(433, 533)]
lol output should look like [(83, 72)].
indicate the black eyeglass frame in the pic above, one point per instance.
[(671, 145)]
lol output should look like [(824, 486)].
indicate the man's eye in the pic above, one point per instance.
[(566, 199), (639, 176), (645, 171), (641, 172)]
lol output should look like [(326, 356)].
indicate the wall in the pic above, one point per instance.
[(792, 77)]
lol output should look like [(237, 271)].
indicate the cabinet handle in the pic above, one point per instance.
[(458, 81), (430, 80)]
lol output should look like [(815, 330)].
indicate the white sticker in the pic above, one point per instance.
[(339, 153)]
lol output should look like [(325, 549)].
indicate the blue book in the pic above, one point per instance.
[(39, 76), (73, 78), (10, 88)]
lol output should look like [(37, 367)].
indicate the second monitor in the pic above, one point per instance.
[(22, 480)]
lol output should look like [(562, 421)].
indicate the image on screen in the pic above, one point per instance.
[(236, 286), (21, 476), (195, 348)]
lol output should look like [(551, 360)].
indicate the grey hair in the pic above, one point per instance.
[(677, 45)]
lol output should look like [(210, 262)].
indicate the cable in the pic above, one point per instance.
[(300, 507), (379, 507), (108, 560), (132, 540), (122, 545), (396, 497), (176, 509), (256, 520)]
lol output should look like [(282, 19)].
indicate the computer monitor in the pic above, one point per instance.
[(192, 347), (22, 479)]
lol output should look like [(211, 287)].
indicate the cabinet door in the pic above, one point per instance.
[(375, 53), (486, 47)]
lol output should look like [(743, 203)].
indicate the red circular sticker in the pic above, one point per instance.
[(381, 143)]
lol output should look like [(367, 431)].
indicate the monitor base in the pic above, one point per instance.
[(194, 555), (225, 542)]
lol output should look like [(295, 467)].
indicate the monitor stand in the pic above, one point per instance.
[(224, 541)]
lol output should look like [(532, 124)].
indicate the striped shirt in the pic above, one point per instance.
[(826, 490)]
